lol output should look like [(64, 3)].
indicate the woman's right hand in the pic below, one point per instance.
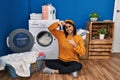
[(61, 23)]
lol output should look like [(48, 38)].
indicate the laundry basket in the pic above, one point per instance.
[(37, 66), (33, 68)]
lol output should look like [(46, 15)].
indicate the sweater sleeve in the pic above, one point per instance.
[(53, 30), (80, 48)]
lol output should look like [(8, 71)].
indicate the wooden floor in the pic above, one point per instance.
[(107, 69)]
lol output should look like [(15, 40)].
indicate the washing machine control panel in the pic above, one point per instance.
[(41, 23)]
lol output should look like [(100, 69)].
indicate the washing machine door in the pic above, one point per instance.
[(44, 38), (20, 40)]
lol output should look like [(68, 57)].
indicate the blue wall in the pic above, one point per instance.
[(4, 24), (15, 14)]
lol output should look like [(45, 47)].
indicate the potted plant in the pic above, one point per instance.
[(93, 36), (94, 16), (102, 32)]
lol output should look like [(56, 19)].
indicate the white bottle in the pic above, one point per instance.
[(54, 12), (50, 12)]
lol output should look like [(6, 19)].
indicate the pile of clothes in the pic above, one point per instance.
[(21, 62)]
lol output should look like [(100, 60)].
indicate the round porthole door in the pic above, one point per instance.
[(20, 40), (44, 38)]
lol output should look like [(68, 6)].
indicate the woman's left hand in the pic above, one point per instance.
[(72, 42)]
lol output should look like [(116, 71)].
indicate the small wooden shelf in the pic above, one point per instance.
[(100, 49), (98, 41)]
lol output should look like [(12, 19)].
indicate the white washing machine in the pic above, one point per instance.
[(44, 40)]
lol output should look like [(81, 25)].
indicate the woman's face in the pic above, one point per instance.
[(69, 28)]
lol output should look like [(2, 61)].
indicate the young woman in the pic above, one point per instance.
[(70, 46)]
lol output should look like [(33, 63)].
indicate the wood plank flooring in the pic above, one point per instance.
[(101, 69)]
